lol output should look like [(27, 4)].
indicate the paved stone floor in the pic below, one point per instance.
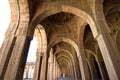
[(63, 78), (27, 79)]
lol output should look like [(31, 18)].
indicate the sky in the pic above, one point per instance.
[(4, 23)]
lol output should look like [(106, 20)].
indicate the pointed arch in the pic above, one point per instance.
[(68, 9)]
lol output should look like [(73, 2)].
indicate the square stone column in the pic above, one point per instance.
[(102, 70), (18, 58), (7, 47), (38, 66), (110, 55), (84, 67), (43, 73), (50, 67)]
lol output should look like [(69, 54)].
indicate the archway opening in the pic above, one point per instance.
[(37, 49), (59, 28), (93, 57), (31, 59), (66, 57)]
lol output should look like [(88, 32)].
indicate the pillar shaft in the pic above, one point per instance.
[(43, 73), (93, 70), (56, 70), (6, 50), (50, 67), (70, 72), (18, 58), (37, 67), (7, 47), (83, 67), (77, 71), (102, 71), (110, 55), (53, 68)]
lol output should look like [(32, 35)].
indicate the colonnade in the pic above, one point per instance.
[(29, 70), (14, 50)]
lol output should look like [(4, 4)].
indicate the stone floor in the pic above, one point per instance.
[(63, 78), (27, 79)]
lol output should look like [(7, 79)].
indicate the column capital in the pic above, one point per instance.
[(101, 33), (50, 60), (38, 54), (23, 29)]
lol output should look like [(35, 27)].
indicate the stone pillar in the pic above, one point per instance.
[(57, 70), (102, 71), (38, 66), (110, 55), (5, 52), (33, 68), (85, 75), (54, 73), (92, 70), (27, 72), (70, 73), (14, 52), (7, 47), (16, 43), (18, 58), (83, 67), (77, 73), (59, 74), (73, 74), (54, 69), (43, 73), (9, 40), (50, 68)]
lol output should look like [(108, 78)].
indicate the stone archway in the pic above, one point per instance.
[(103, 50), (70, 55), (42, 39), (98, 60), (66, 40), (68, 9), (98, 28), (41, 50), (12, 48), (21, 31), (72, 43)]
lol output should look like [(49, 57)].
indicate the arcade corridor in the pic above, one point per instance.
[(76, 39)]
